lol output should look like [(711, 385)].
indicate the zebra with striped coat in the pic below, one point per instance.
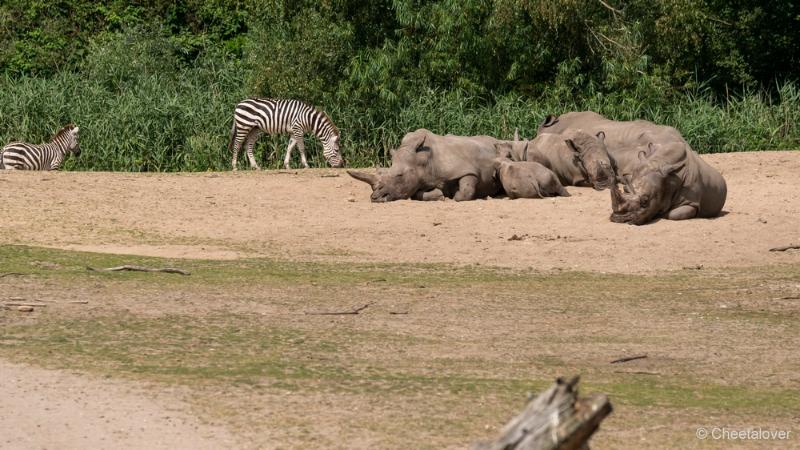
[(256, 116), (23, 156)]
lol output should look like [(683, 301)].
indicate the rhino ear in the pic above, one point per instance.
[(502, 149), (549, 121), (671, 168), (602, 136), (525, 151), (421, 146), (392, 152), (572, 146)]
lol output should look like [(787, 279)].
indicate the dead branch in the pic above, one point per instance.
[(23, 304), (138, 269), (629, 358), (337, 313), (8, 274), (784, 248), (555, 419), (329, 175)]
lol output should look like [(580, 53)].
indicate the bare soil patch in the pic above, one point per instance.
[(56, 409), (308, 215)]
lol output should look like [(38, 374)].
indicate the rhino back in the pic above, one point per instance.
[(454, 157), (705, 183)]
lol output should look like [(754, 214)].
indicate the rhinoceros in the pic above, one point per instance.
[(426, 164), (623, 139), (525, 179), (670, 181), (577, 158)]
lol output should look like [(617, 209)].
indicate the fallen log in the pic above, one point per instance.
[(555, 419), (139, 269)]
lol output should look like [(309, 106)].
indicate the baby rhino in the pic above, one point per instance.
[(525, 179)]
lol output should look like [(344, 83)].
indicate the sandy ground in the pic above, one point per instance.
[(326, 215), (49, 409)]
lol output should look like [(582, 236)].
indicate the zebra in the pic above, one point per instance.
[(22, 156), (255, 116)]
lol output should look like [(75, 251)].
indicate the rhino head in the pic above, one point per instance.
[(591, 156), (649, 190), (404, 178)]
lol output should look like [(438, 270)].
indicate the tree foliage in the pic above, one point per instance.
[(375, 65)]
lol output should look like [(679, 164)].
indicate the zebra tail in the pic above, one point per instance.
[(233, 136)]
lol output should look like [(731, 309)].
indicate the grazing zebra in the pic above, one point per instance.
[(22, 156), (255, 116)]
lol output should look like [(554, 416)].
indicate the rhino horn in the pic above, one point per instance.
[(516, 134), (616, 198), (628, 184), (368, 178)]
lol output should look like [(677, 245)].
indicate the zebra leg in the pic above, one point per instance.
[(250, 142), (292, 143), (301, 146), (297, 135), (237, 145)]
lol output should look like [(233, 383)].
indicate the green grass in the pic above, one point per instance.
[(475, 340), (180, 120)]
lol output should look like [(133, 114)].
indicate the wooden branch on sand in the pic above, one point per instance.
[(139, 269), (8, 274), (338, 313), (628, 358), (24, 304), (784, 248), (555, 419)]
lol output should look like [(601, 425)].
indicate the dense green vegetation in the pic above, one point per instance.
[(153, 84)]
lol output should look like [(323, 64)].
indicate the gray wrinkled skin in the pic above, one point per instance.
[(525, 179), (426, 165), (576, 157), (671, 182), (623, 139)]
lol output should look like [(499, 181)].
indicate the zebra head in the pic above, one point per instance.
[(330, 149), (68, 137)]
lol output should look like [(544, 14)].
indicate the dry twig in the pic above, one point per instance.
[(23, 304), (784, 248), (139, 269), (8, 274), (629, 358), (338, 313)]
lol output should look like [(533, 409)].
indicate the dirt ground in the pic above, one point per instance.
[(326, 215), (454, 338)]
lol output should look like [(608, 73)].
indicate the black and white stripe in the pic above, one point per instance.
[(255, 116), (22, 156)]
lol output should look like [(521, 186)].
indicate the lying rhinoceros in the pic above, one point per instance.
[(426, 164), (670, 181), (576, 157), (623, 139), (525, 179)]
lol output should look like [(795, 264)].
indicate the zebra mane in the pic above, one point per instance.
[(333, 125), (67, 128)]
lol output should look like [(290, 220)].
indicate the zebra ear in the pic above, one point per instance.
[(75, 130)]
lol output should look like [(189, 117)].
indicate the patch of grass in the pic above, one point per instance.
[(243, 350)]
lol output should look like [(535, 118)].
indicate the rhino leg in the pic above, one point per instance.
[(682, 213), (466, 188), (429, 196)]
